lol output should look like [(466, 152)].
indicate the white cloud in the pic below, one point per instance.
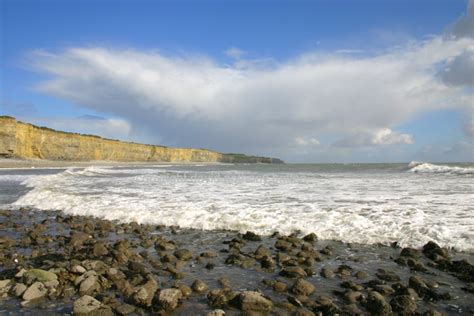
[(195, 101), (306, 141), (234, 52), (381, 137)]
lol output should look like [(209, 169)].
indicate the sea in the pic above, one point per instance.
[(408, 204)]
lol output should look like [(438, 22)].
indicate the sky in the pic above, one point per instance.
[(304, 81)]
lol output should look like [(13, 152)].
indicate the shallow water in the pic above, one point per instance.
[(363, 203)]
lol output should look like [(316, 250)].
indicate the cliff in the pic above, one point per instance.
[(22, 140)]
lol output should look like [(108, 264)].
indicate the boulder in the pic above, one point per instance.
[(250, 301), (199, 286), (251, 236), (168, 299), (78, 269), (183, 254), (89, 306), (377, 305), (36, 291), (403, 304), (19, 289), (293, 272), (302, 287), (5, 286), (39, 275), (143, 296), (89, 285)]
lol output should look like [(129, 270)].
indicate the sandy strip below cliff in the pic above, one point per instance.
[(38, 163)]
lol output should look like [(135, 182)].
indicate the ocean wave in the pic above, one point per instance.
[(425, 167), (363, 209)]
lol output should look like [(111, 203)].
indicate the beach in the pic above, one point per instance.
[(136, 269), (209, 239)]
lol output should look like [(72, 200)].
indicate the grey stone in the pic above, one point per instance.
[(302, 287), (254, 301), (169, 298), (35, 291)]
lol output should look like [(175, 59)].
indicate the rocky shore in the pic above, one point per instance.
[(53, 263)]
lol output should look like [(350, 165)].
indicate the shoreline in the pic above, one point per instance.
[(9, 163), (127, 268)]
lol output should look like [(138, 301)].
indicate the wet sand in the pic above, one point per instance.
[(41, 163), (53, 263)]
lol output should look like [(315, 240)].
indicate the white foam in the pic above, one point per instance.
[(355, 207), (424, 167)]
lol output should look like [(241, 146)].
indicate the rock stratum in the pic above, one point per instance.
[(27, 141)]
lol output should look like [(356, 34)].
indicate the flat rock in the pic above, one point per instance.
[(293, 272), (253, 301), (39, 275), (35, 291), (89, 306)]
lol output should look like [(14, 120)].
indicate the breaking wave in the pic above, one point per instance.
[(371, 207), (425, 167)]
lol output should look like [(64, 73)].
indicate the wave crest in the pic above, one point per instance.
[(425, 167)]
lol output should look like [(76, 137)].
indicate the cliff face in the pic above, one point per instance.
[(21, 140)]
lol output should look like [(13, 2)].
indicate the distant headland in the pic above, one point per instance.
[(26, 141)]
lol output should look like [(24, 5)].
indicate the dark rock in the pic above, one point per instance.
[(138, 267), (251, 236), (283, 245), (463, 270), (377, 305), (183, 254), (208, 254), (327, 273), (361, 275), (164, 245), (262, 251), (422, 289), (388, 276), (433, 251), (220, 298), (403, 303), (280, 286), (267, 263), (310, 237), (100, 250), (78, 238), (125, 309), (302, 287), (410, 252), (293, 272)]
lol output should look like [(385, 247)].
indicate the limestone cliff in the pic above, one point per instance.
[(21, 140)]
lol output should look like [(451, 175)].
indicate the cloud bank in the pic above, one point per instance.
[(336, 100)]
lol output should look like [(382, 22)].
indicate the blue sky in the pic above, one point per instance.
[(306, 81)]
